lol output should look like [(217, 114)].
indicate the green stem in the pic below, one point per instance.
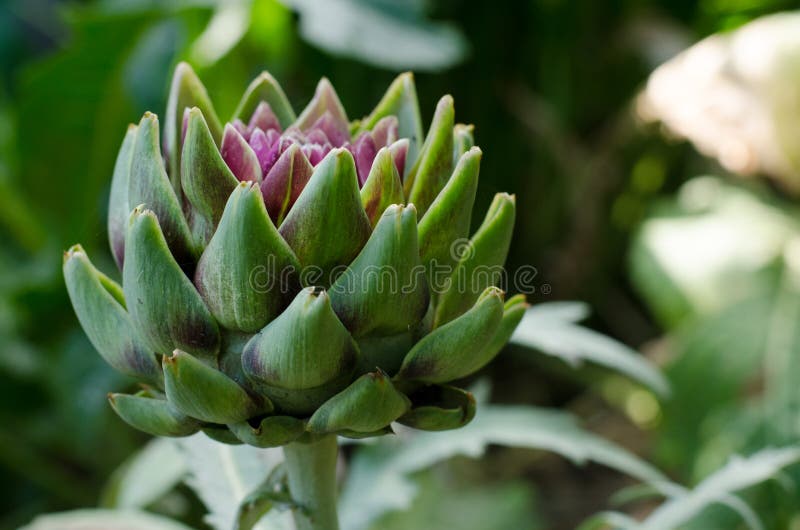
[(312, 482)]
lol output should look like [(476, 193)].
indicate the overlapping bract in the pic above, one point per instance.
[(285, 275)]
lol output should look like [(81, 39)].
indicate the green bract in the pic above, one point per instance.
[(290, 275)]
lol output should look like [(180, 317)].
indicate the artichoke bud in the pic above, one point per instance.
[(100, 306), (271, 431), (247, 271), (327, 227), (382, 187), (285, 181), (235, 220), (447, 220), (186, 91), (384, 290), (454, 350), (118, 205), (400, 101), (149, 185), (368, 405), (303, 357), (202, 392), (325, 112), (433, 167), (481, 262), (239, 156), (152, 415), (265, 89), (463, 140), (165, 307), (205, 177), (439, 408)]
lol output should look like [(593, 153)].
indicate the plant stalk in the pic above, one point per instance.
[(311, 467)]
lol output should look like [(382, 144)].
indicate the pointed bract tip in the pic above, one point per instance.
[(182, 67), (512, 198), (195, 112), (474, 151), (492, 291), (148, 116), (446, 100), (73, 251), (324, 83)]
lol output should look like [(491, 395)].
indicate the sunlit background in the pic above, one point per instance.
[(657, 177)]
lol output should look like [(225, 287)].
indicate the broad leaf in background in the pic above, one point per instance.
[(105, 520), (146, 476), (701, 252), (224, 475), (378, 480), (683, 506), (389, 34), (720, 266), (447, 505), (738, 474), (551, 329)]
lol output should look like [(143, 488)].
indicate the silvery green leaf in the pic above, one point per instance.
[(379, 473), (554, 332), (224, 475), (105, 519), (738, 474), (146, 476)]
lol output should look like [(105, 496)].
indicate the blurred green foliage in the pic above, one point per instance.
[(549, 85)]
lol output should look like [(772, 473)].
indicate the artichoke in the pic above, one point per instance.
[(285, 276)]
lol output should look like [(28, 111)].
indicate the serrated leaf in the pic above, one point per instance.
[(378, 481), (223, 476), (105, 519), (553, 331), (149, 474), (738, 474), (272, 493)]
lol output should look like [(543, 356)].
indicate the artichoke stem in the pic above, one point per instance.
[(311, 467)]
